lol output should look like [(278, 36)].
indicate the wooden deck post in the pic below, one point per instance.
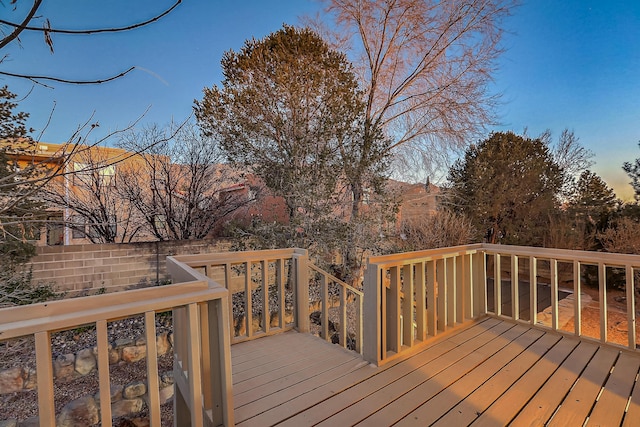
[(301, 257), (372, 349)]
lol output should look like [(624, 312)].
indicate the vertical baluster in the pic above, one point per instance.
[(152, 368), (515, 288), (602, 287), (407, 305), (302, 292), (460, 284), (195, 374), (248, 301), (281, 292), (227, 284), (421, 301), (359, 324), (324, 313), (102, 341), (578, 298), (393, 314), (432, 312), (441, 279), (343, 316), (631, 306), (533, 290), (44, 367), (452, 296), (266, 315), (554, 293), (497, 285)]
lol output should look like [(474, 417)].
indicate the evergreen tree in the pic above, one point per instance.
[(507, 185)]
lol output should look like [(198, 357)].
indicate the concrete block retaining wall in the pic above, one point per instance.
[(81, 267)]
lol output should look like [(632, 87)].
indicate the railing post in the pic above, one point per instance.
[(480, 283), (302, 290), (219, 348), (372, 348)]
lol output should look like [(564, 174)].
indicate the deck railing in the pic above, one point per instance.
[(412, 297), (408, 299), (596, 276), (195, 296), (270, 293)]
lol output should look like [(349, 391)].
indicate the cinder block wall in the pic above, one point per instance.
[(80, 267)]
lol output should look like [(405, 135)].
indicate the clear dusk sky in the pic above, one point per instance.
[(568, 64)]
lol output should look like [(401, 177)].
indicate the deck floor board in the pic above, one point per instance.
[(490, 372)]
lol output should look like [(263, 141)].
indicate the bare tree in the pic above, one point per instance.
[(425, 67), (28, 20), (438, 230), (571, 156), (89, 193), (180, 186), (622, 237)]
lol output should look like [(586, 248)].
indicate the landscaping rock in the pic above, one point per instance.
[(116, 394), (114, 354), (124, 342), (85, 361), (166, 379), (134, 390), (126, 407), (166, 394), (30, 378), (140, 422), (162, 343), (11, 380), (80, 412), (64, 367), (134, 353)]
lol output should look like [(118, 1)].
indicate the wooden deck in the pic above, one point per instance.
[(490, 372)]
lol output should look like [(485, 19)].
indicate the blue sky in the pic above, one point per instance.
[(568, 64)]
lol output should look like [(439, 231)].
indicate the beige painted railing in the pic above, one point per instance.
[(349, 321), (415, 296), (269, 293), (202, 354), (196, 298), (549, 270), (408, 299)]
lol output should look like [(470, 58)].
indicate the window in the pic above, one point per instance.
[(84, 174), (55, 231), (78, 227), (107, 174)]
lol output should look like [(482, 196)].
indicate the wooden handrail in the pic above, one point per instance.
[(202, 298), (335, 279), (575, 260), (451, 284), (343, 301)]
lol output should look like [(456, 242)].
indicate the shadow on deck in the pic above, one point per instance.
[(487, 372), (543, 297)]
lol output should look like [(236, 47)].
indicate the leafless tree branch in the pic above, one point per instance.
[(24, 25)]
